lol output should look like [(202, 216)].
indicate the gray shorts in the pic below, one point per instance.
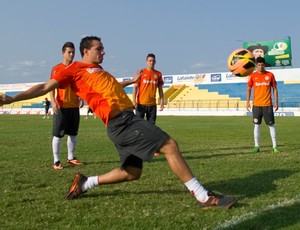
[(66, 122), (263, 111), (135, 138), (149, 111)]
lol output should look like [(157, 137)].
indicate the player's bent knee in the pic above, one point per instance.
[(133, 177), (133, 173), (170, 146)]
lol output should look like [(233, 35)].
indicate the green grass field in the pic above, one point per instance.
[(218, 149)]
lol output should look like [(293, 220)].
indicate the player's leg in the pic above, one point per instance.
[(131, 136), (270, 121), (140, 111), (57, 133), (47, 112), (141, 138), (257, 118), (181, 169), (151, 112), (71, 122), (130, 170)]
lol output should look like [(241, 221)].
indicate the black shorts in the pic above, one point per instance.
[(149, 111), (66, 122), (136, 139), (263, 111)]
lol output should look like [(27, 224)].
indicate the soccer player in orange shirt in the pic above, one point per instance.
[(263, 83), (144, 91), (66, 117), (135, 139)]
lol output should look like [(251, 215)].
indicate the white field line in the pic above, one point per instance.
[(250, 215)]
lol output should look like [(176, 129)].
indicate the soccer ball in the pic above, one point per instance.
[(241, 62)]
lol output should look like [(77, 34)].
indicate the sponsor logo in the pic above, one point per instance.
[(94, 70), (168, 79), (278, 48), (185, 78), (145, 81), (199, 78), (262, 83), (229, 76), (216, 77)]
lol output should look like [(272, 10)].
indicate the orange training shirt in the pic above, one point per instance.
[(148, 84), (65, 98), (100, 90), (262, 84)]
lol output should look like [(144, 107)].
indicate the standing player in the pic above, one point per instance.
[(66, 115), (263, 83), (47, 106), (88, 111), (135, 139), (144, 92)]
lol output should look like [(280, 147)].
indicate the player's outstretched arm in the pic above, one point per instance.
[(4, 99), (135, 78), (34, 91)]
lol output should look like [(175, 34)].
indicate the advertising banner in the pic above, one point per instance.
[(277, 53)]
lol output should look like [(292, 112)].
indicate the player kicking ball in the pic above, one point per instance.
[(135, 139)]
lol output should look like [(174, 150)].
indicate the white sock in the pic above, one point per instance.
[(273, 135), (256, 135), (197, 190), (56, 143), (71, 143), (91, 182)]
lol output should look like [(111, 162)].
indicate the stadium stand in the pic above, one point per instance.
[(182, 96), (31, 103), (198, 96), (289, 92)]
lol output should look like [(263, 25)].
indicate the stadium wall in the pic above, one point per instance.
[(222, 82)]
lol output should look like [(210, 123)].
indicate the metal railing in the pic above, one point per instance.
[(207, 103)]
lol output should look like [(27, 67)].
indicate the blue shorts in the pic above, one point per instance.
[(136, 139)]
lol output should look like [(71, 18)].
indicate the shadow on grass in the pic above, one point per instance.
[(249, 187), (274, 218), (124, 192), (102, 162), (202, 154), (252, 186), (242, 149)]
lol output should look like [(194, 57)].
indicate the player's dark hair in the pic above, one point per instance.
[(86, 43), (67, 45), (150, 55), (260, 60)]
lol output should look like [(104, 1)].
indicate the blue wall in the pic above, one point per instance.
[(289, 94)]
